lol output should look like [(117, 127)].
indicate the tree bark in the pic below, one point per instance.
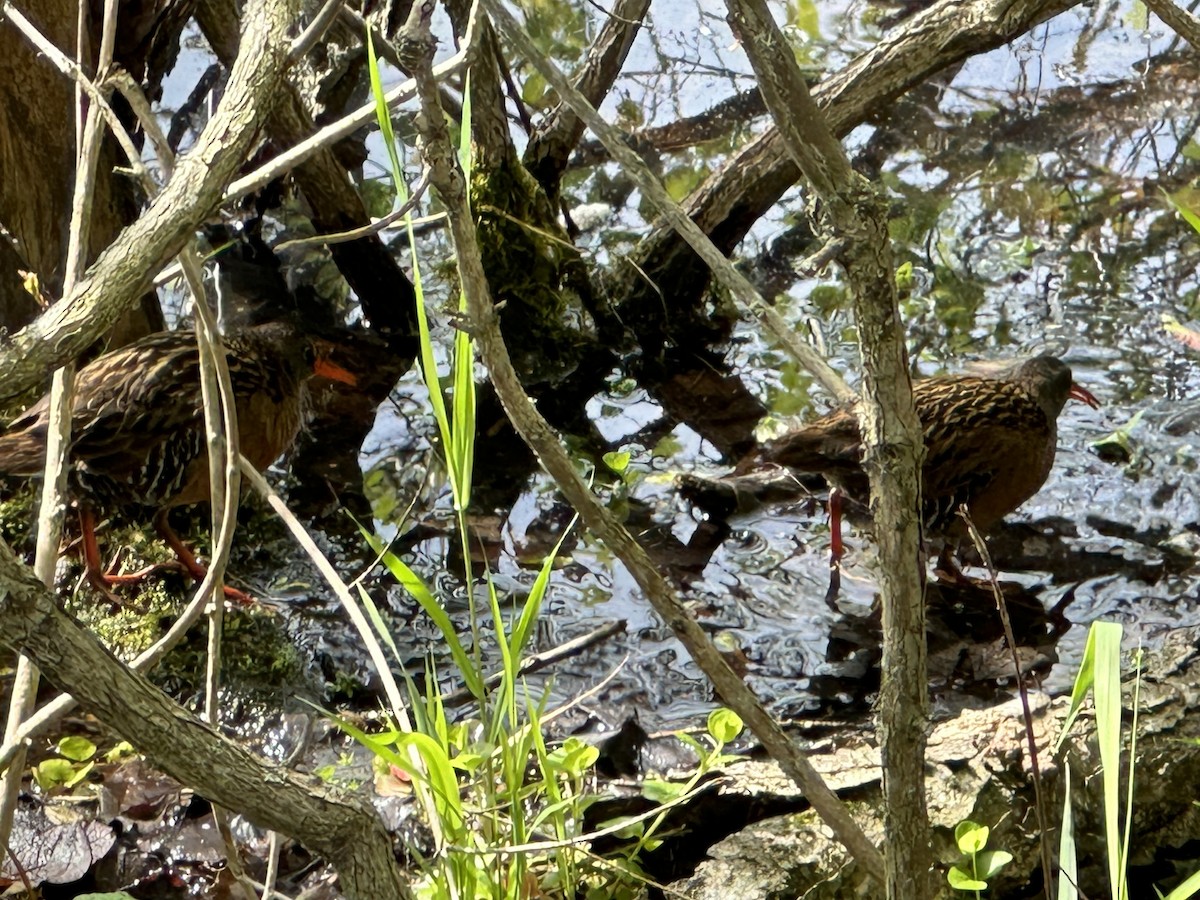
[(855, 214), (123, 272), (348, 832), (37, 145)]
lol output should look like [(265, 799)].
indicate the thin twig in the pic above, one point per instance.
[(315, 31), (284, 162), (578, 700), (217, 402), (256, 481), (268, 882), (1027, 715), (23, 697), (855, 210), (385, 48), (140, 104), (538, 661), (221, 434), (448, 180), (1180, 20), (343, 237), (813, 265)]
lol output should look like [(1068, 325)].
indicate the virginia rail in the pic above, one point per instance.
[(989, 443), (137, 429)]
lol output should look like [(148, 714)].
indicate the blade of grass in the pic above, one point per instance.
[(462, 440), (504, 697), (439, 773), (1137, 696), (523, 629), (417, 589), (1188, 889), (382, 116), (428, 363), (1068, 865), (1083, 683), (1107, 697)]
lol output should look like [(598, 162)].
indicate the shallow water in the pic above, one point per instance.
[(1026, 197)]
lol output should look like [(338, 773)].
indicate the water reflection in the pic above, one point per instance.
[(1028, 201)]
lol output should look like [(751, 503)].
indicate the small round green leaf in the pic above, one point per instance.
[(574, 757), (76, 748), (961, 881), (990, 862), (618, 461), (724, 724), (970, 837), (53, 773)]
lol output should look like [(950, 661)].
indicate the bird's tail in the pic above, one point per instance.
[(805, 452), (22, 453)]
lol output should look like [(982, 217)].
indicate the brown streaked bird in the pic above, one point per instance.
[(989, 443), (137, 428)]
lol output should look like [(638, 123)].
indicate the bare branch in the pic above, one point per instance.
[(449, 182), (345, 830), (124, 270), (856, 212)]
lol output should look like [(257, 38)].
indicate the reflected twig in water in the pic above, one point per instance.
[(538, 661)]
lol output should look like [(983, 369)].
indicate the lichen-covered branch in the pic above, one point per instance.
[(123, 272), (449, 182), (855, 213)]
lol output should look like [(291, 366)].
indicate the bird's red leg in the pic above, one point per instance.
[(96, 575), (91, 549), (91, 552), (125, 579), (182, 552), (836, 548), (105, 581), (188, 559)]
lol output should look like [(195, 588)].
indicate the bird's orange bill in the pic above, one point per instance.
[(1083, 395), (333, 371)]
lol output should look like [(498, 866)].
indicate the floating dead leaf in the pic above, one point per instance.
[(55, 843)]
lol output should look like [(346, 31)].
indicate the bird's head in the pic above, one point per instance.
[(1049, 379)]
